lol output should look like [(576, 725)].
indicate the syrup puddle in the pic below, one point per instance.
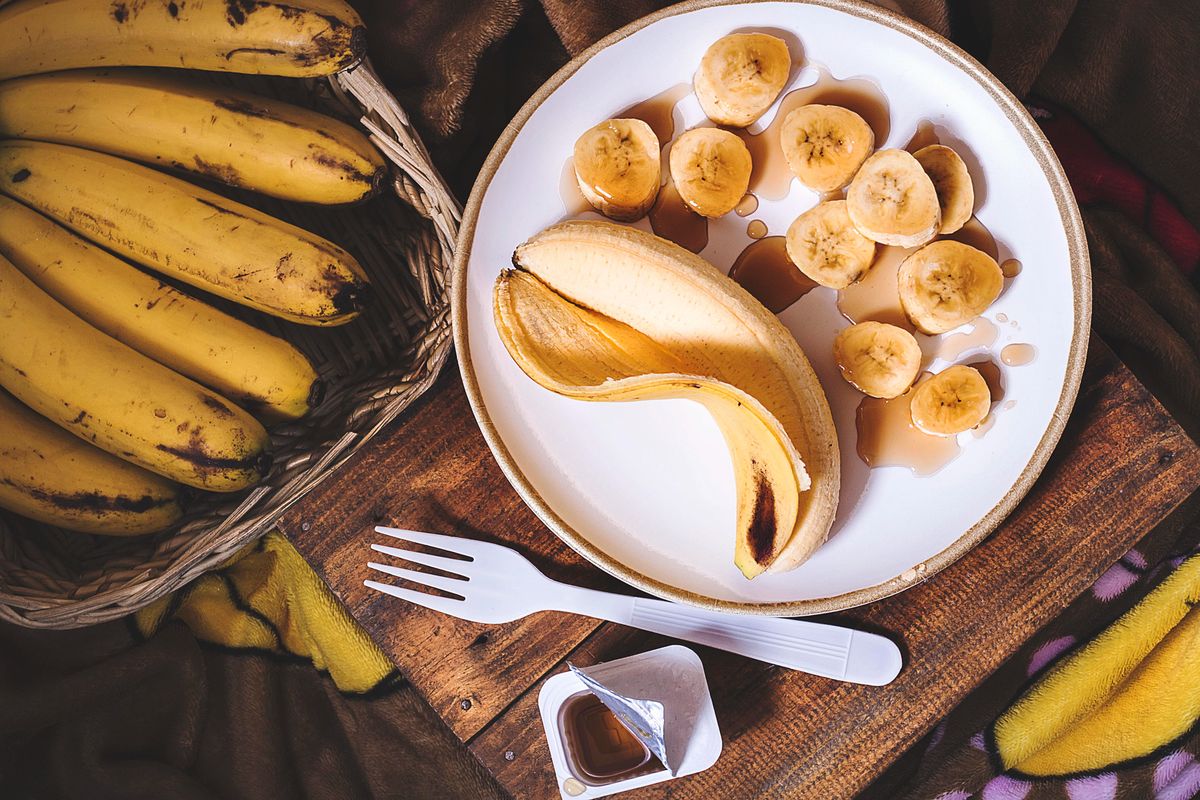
[(671, 219), (983, 333), (746, 206), (1011, 268), (757, 229), (771, 178), (887, 437), (1018, 355), (765, 271), (659, 111)]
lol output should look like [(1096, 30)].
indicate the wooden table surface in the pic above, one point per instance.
[(1122, 466)]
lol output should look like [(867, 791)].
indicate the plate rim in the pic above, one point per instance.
[(1081, 285)]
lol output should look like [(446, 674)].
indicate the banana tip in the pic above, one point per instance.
[(316, 393)]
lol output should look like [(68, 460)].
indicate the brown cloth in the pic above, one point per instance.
[(98, 713)]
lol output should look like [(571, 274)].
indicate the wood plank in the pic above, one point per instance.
[(1122, 467), (433, 472)]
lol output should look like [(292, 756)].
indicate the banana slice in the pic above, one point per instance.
[(618, 168), (711, 170), (951, 181), (892, 200), (955, 400), (947, 284), (824, 244), (877, 359), (825, 145), (740, 76)]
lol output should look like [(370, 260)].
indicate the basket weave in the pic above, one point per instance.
[(374, 368)]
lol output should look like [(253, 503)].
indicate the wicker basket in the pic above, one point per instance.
[(374, 368)]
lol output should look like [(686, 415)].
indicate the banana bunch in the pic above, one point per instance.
[(607, 313), (117, 384)]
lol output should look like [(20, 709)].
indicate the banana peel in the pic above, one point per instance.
[(603, 312)]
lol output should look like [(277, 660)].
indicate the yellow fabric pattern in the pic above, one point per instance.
[(268, 598), (1121, 696)]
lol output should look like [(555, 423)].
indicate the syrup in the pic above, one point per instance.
[(601, 749), (983, 334), (756, 229), (771, 177), (659, 111), (1018, 355), (765, 271), (887, 437), (1010, 267), (993, 376), (672, 219), (574, 203), (924, 136), (976, 234), (746, 206)]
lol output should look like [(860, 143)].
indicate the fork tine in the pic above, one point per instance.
[(454, 585), (452, 544), (443, 604), (455, 565)]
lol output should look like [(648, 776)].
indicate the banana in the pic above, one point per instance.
[(618, 167), (878, 359), (955, 400), (255, 369), (825, 145), (713, 328), (825, 246), (578, 353), (296, 38), (237, 138), (181, 230), (48, 475), (947, 284), (951, 181), (711, 170), (109, 394), (740, 76), (892, 200)]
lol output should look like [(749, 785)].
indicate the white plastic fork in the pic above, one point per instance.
[(498, 584)]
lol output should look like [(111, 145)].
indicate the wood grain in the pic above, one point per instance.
[(1122, 466)]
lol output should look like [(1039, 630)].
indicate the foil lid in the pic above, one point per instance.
[(645, 719)]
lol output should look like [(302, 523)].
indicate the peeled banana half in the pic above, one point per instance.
[(605, 312), (296, 38), (237, 138), (893, 201), (618, 168), (50, 476), (118, 399), (711, 170), (740, 76), (261, 372), (947, 284), (825, 145), (182, 230)]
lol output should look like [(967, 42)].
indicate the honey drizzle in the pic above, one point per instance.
[(983, 333), (756, 229), (659, 111), (672, 219), (772, 178), (574, 203), (765, 270), (1010, 267), (887, 437), (1018, 355), (746, 206)]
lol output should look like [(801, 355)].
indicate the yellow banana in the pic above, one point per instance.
[(296, 38), (237, 138), (664, 312), (190, 233), (255, 369), (109, 394), (50, 476), (578, 353)]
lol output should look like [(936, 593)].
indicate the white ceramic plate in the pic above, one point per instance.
[(645, 490)]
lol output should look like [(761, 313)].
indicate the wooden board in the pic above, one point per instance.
[(1122, 466)]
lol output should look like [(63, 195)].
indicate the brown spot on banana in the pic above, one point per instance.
[(216, 405), (762, 523), (218, 172), (205, 464), (96, 502)]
